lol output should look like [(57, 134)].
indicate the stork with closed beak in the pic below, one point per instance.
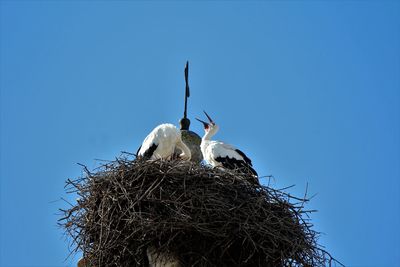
[(161, 144), (219, 154)]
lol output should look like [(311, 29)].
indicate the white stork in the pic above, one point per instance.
[(161, 144), (219, 154)]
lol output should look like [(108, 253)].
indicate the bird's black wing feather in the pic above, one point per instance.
[(232, 163), (248, 161), (149, 152), (137, 152)]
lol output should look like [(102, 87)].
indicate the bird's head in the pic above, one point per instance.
[(209, 126)]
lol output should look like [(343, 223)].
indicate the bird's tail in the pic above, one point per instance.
[(252, 171)]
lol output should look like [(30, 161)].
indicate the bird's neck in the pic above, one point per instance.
[(207, 136)]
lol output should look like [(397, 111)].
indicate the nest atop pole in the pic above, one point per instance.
[(207, 217)]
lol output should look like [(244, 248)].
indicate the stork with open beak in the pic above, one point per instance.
[(161, 144), (220, 154)]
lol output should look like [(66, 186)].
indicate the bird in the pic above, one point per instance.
[(220, 154), (161, 142)]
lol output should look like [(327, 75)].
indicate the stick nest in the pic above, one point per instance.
[(208, 217)]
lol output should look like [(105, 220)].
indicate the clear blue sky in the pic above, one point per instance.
[(310, 90)]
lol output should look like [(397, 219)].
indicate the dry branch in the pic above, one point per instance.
[(207, 217)]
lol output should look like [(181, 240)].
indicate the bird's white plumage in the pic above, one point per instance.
[(163, 140), (220, 154), (214, 149)]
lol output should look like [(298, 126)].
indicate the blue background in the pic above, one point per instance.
[(310, 90)]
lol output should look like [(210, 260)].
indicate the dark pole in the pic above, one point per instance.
[(191, 139), (185, 122), (187, 92)]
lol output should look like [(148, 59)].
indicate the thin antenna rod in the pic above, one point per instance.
[(187, 91)]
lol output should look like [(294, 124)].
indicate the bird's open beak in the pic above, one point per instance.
[(204, 123), (208, 117)]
